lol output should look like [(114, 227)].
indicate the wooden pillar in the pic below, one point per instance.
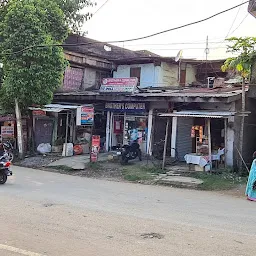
[(209, 141), (166, 141)]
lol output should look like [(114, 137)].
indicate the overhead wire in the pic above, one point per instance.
[(133, 39)]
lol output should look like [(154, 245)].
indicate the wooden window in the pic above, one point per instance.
[(136, 72)]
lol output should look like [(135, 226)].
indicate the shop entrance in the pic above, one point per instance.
[(127, 128)]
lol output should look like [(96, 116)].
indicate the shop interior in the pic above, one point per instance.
[(127, 128), (199, 135)]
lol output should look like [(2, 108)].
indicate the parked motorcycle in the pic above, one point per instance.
[(8, 149), (5, 170), (130, 152)]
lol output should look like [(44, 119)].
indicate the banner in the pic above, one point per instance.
[(121, 85), (85, 115), (95, 148)]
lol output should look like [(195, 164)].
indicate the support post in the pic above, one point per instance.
[(149, 135), (174, 136), (19, 129), (209, 141), (165, 142), (111, 131), (226, 140), (108, 131), (66, 136)]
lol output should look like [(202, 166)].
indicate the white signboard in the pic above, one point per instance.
[(121, 85)]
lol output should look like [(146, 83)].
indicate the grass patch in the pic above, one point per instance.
[(140, 173), (225, 180), (61, 168), (94, 165)]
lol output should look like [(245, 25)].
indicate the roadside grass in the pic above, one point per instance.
[(225, 180), (140, 173), (95, 166), (61, 168)]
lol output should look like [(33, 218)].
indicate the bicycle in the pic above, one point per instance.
[(157, 155)]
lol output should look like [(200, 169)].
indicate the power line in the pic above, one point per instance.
[(234, 20), (240, 23), (101, 7), (134, 39)]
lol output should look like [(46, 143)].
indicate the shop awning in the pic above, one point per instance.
[(199, 114), (56, 108)]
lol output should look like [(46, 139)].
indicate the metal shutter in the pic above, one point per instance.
[(184, 141)]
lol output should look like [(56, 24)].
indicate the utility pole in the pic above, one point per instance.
[(207, 50)]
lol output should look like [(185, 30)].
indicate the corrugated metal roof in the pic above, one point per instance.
[(199, 114)]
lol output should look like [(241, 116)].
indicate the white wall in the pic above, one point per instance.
[(157, 76), (150, 75)]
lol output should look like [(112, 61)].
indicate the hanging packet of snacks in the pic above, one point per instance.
[(201, 134), (193, 132)]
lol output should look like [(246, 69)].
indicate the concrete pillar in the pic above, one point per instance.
[(108, 131), (174, 136), (149, 136), (230, 144)]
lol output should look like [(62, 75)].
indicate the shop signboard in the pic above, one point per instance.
[(119, 85), (39, 112), (7, 131), (85, 115), (125, 106), (95, 149)]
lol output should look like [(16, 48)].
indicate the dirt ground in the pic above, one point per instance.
[(107, 170)]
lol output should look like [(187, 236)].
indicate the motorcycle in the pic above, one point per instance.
[(130, 152), (8, 149), (5, 170)]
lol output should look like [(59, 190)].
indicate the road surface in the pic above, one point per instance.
[(45, 213)]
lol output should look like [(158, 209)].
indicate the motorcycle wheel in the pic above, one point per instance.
[(10, 156), (124, 161), (3, 178)]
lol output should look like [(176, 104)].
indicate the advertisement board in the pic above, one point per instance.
[(95, 148), (125, 106), (85, 115), (7, 131), (119, 85)]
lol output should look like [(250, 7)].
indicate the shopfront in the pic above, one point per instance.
[(126, 122), (203, 137)]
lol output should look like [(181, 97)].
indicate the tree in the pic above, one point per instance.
[(32, 76), (74, 11), (244, 48)]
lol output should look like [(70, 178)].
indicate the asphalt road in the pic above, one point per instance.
[(45, 213)]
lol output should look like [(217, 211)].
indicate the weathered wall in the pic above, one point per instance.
[(150, 74), (191, 72), (89, 80), (169, 74), (250, 131)]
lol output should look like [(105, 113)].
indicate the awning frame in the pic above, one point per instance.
[(199, 114)]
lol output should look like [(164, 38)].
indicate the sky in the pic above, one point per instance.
[(126, 19)]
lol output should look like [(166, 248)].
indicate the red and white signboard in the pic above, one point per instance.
[(95, 148), (7, 131), (119, 84)]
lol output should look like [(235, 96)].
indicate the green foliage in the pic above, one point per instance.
[(245, 49), (32, 76), (74, 11)]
